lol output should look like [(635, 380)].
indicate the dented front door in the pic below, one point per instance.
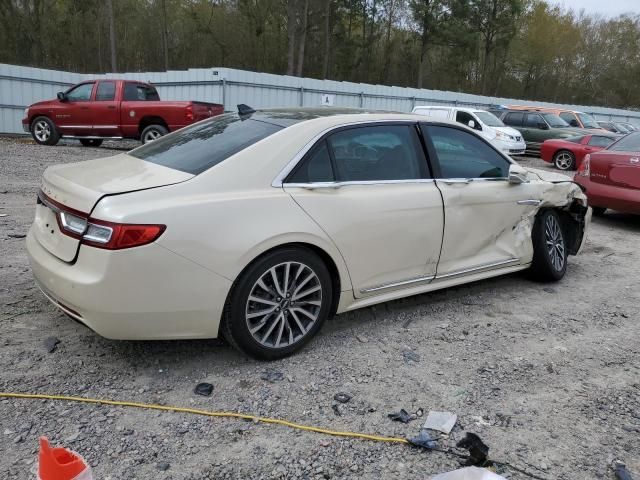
[(488, 220)]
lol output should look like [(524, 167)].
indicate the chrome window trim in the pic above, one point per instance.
[(336, 185), (478, 269), (278, 182)]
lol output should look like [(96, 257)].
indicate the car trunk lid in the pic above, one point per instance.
[(619, 169), (69, 193)]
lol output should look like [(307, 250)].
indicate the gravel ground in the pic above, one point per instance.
[(547, 375)]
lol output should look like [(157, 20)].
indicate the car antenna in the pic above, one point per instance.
[(245, 109)]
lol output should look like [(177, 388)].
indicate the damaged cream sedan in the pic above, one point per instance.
[(259, 225)]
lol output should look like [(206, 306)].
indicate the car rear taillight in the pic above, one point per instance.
[(100, 233), (189, 112), (585, 166)]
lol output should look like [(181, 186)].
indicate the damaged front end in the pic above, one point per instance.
[(569, 201)]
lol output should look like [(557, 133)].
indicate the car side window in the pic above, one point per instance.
[(568, 117), (82, 93), (106, 91), (136, 92), (513, 119), (464, 118), (377, 153), (600, 141), (315, 167), (463, 155), (533, 120)]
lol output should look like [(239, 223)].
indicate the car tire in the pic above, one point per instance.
[(152, 132), (44, 132), (598, 211), (564, 160), (549, 262), (91, 142), (264, 319)]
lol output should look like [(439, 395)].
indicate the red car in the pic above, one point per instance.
[(111, 109), (567, 153), (611, 177)]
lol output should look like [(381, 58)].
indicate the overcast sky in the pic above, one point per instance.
[(608, 8)]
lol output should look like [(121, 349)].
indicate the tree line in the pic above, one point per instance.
[(512, 48)]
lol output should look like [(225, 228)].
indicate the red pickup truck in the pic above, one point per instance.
[(96, 110)]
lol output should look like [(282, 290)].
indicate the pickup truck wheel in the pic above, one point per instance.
[(44, 132), (90, 142), (549, 262), (152, 132)]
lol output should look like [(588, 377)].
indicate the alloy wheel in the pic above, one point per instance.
[(42, 130), (152, 135), (283, 304), (555, 242), (564, 160)]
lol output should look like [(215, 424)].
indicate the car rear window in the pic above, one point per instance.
[(199, 147), (630, 143)]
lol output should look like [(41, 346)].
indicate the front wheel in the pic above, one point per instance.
[(44, 132), (91, 142), (564, 160), (278, 304), (152, 132), (549, 248)]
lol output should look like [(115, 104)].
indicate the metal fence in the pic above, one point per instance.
[(22, 86)]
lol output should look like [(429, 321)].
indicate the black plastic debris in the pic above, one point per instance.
[(478, 451), (342, 397), (401, 416), (336, 409), (621, 472), (272, 376), (410, 356), (204, 389), (51, 343), (423, 440)]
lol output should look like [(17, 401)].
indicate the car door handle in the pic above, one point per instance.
[(111, 107), (530, 201), (453, 181)]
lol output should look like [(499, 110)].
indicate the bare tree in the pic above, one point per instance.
[(112, 36), (303, 38)]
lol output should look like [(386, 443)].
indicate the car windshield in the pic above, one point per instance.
[(622, 128), (199, 147), (554, 120), (576, 139), (587, 120), (630, 143), (489, 119)]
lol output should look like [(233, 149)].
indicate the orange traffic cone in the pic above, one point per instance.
[(61, 464)]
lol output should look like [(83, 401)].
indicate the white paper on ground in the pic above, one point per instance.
[(469, 473), (441, 421)]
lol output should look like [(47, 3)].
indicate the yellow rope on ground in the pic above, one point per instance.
[(194, 411)]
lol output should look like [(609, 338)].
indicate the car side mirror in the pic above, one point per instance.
[(543, 126), (574, 123), (62, 96), (471, 124), (517, 174)]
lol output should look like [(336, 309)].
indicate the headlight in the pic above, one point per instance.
[(26, 112), (502, 135)]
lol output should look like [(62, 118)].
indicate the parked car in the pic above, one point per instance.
[(507, 139), (615, 127), (573, 118), (567, 153), (96, 110), (536, 127), (262, 225), (611, 177)]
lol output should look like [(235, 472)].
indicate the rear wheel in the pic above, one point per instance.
[(564, 160), (278, 304), (44, 132), (153, 132), (91, 142), (549, 248), (598, 211)]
